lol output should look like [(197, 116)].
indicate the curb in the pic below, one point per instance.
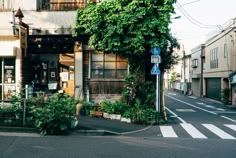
[(99, 132), (18, 129)]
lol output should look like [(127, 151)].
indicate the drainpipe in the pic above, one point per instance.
[(13, 22), (201, 80)]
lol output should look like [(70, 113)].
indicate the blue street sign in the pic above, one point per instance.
[(155, 70), (155, 50)]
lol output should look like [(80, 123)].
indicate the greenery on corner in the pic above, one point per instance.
[(55, 117), (130, 28), (137, 102)]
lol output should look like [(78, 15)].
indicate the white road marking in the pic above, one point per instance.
[(167, 131), (225, 112), (200, 103), (220, 109), (192, 131), (218, 131), (233, 127), (192, 105), (175, 115), (185, 110), (228, 118)]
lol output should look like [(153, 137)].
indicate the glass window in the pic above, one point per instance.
[(225, 50), (6, 4), (110, 57), (97, 56), (9, 71), (108, 66)]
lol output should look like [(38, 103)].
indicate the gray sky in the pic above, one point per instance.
[(198, 18)]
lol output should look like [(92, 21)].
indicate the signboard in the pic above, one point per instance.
[(156, 59), (155, 50), (155, 70), (23, 37), (64, 76)]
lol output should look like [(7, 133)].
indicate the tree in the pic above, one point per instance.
[(129, 28)]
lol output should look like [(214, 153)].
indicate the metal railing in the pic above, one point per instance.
[(51, 5), (13, 114)]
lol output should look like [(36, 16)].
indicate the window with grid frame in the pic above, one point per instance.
[(108, 66), (6, 5), (214, 58)]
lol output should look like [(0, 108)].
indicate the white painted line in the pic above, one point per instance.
[(192, 105), (218, 131), (228, 118), (192, 97), (200, 103), (233, 127), (185, 110), (14, 134), (192, 131), (175, 115), (220, 109), (209, 106), (225, 112), (167, 131)]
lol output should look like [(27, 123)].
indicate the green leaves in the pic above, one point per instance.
[(127, 27), (56, 116), (113, 21)]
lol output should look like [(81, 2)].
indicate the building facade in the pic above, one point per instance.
[(197, 62), (52, 59), (220, 61)]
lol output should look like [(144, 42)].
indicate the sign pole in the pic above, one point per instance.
[(157, 94), (156, 59)]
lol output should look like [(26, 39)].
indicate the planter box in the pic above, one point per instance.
[(115, 116), (96, 113), (127, 120), (106, 115)]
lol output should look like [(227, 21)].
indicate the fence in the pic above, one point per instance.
[(13, 114)]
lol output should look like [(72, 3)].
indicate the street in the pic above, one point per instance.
[(196, 128)]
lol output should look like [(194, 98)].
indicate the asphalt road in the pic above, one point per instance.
[(196, 128), (112, 147)]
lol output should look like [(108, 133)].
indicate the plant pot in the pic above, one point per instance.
[(96, 113), (127, 120), (106, 115), (115, 116)]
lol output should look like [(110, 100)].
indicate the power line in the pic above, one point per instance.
[(192, 20)]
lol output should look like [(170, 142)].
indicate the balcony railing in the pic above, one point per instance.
[(61, 5)]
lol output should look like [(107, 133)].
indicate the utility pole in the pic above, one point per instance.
[(185, 86)]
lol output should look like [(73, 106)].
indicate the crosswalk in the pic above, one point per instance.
[(202, 131)]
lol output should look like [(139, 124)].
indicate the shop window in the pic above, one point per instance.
[(9, 71), (108, 66), (7, 78)]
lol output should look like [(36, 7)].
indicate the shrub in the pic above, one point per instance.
[(106, 106), (226, 95), (142, 114), (11, 115), (55, 117)]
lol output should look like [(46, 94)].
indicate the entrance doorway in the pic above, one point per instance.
[(7, 78)]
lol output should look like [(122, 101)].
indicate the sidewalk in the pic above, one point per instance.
[(86, 126), (101, 126)]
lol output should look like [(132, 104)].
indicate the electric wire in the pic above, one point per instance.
[(192, 20)]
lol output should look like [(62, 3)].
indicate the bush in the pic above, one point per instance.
[(142, 114), (55, 117), (11, 115), (226, 95)]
